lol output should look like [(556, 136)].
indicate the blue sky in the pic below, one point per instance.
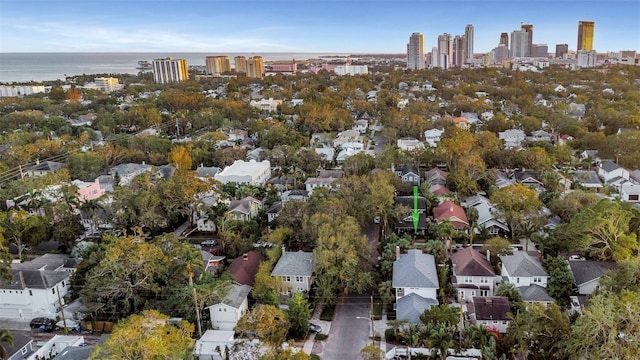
[(350, 26)]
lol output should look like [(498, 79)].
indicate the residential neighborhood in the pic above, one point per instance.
[(412, 214)]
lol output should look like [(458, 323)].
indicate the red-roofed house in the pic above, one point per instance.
[(452, 212), (244, 268), (461, 122), (473, 274)]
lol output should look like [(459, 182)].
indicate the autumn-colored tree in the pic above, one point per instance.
[(268, 322), (516, 202), (147, 336), (74, 94), (180, 158), (371, 352)]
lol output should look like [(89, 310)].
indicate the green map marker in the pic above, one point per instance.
[(415, 214)]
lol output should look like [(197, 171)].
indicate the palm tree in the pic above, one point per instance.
[(6, 339), (482, 337), (441, 339)]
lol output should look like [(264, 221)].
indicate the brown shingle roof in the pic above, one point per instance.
[(491, 307), (244, 268), (469, 262)]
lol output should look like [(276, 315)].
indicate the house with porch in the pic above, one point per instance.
[(408, 173), (415, 281), (244, 209), (295, 269), (452, 212), (472, 274), (404, 223)]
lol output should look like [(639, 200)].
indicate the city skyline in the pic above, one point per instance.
[(345, 26)]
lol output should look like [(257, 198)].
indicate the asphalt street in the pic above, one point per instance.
[(350, 329)]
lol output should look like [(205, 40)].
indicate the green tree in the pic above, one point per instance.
[(540, 332), (608, 328), (269, 323), (516, 202), (371, 352), (147, 336), (6, 340), (22, 229), (510, 291), (560, 284), (298, 314)]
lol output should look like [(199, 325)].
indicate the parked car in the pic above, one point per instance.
[(314, 328), (209, 243), (44, 323)]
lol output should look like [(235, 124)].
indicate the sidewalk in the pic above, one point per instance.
[(325, 325), (380, 326)]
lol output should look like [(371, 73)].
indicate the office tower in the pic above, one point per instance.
[(529, 29), (504, 39), (168, 70), (241, 64), (218, 64), (255, 67), (585, 35), (586, 58), (435, 57), (468, 35), (561, 49), (415, 52), (500, 54), (540, 50), (519, 42), (445, 47), (459, 50)]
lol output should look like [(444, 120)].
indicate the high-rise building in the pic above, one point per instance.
[(500, 54), (540, 50), (519, 42), (241, 64), (255, 67), (168, 70), (529, 29), (218, 64), (586, 58), (435, 57), (445, 47), (468, 34), (585, 35), (415, 52), (561, 49), (459, 50), (504, 39)]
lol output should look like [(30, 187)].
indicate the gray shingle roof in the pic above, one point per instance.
[(522, 264), (586, 270), (415, 269), (609, 166), (236, 295), (298, 263), (410, 307), (535, 293), (48, 262), (34, 279), (586, 177)]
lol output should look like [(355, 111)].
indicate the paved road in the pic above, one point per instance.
[(372, 231), (350, 329)]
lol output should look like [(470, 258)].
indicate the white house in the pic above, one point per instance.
[(433, 136), (409, 143), (268, 105), (609, 171), (488, 215), (522, 269), (313, 183), (243, 172), (415, 281), (127, 172), (226, 314), (361, 126), (473, 274), (630, 192), (587, 274), (295, 269), (513, 138), (491, 311), (207, 346), (33, 293)]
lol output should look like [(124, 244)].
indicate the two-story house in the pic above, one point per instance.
[(513, 138), (408, 173), (33, 293), (522, 269), (404, 223), (127, 172), (488, 215), (244, 209), (452, 212), (491, 311), (226, 314), (432, 137), (295, 269), (612, 173), (415, 281), (587, 274), (473, 274)]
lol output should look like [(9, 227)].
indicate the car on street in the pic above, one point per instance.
[(44, 323), (314, 328)]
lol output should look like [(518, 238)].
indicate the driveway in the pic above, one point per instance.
[(350, 329)]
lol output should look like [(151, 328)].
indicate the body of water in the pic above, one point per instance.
[(24, 67)]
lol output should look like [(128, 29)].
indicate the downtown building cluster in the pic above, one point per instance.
[(458, 51)]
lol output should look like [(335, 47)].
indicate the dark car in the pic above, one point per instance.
[(43, 323), (314, 328)]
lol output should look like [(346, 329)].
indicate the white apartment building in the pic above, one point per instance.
[(168, 70), (351, 70), (243, 172), (20, 90)]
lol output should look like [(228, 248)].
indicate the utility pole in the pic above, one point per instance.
[(373, 329), (64, 321), (195, 299)]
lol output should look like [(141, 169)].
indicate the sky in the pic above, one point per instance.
[(340, 26)]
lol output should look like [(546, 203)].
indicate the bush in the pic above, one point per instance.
[(327, 313), (389, 335), (315, 357), (321, 336)]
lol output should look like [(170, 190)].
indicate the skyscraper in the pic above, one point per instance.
[(415, 52), (168, 70), (459, 50), (529, 29), (504, 39), (539, 50), (255, 67), (519, 42), (241, 64), (561, 49), (585, 35), (445, 47), (468, 35), (218, 64)]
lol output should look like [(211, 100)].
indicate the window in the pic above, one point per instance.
[(517, 280), (495, 322), (537, 279), (634, 197), (484, 292), (468, 279), (400, 292), (30, 293), (63, 284), (484, 280), (299, 279), (287, 278), (504, 323), (53, 290)]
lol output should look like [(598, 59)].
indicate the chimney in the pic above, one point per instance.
[(284, 249), (397, 252), (488, 255), (245, 256)]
